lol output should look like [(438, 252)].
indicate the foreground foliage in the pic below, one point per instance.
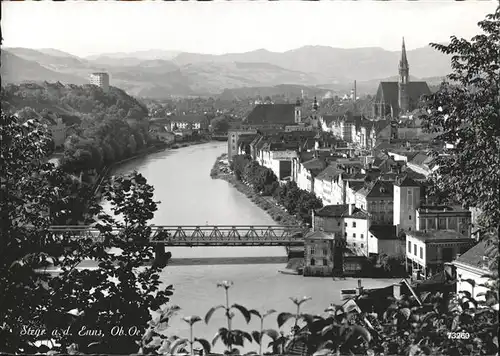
[(437, 323), (62, 307), (465, 112)]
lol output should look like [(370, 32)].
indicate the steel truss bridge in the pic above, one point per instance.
[(214, 235)]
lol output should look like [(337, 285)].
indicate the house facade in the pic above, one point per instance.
[(444, 218), (383, 239), (377, 198), (428, 251), (470, 270)]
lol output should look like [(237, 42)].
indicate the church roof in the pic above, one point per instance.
[(389, 92), (272, 114)]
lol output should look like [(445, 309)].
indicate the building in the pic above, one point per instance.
[(324, 183), (278, 157), (399, 98), (189, 122), (377, 198), (470, 270), (307, 172), (444, 218), (161, 132), (319, 253), (101, 80), (406, 203), (233, 137), (273, 115), (428, 251), (383, 239), (330, 218), (356, 225)]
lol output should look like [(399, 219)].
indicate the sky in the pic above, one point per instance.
[(86, 28)]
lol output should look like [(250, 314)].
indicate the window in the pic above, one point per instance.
[(409, 217), (345, 234), (362, 245), (354, 235), (362, 236), (338, 224), (312, 250), (345, 224), (415, 249), (325, 262), (313, 262), (353, 224), (325, 252), (354, 244), (421, 252)]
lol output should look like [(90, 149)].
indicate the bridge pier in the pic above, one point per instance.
[(295, 252), (161, 257)]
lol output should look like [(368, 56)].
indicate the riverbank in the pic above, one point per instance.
[(221, 170)]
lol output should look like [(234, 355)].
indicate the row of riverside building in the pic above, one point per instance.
[(372, 182)]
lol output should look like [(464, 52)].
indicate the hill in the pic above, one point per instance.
[(15, 69), (161, 74), (85, 102)]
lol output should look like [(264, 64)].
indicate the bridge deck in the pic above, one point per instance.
[(222, 235)]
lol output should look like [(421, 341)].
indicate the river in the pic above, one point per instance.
[(190, 197)]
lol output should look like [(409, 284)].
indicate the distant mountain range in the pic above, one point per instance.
[(160, 74)]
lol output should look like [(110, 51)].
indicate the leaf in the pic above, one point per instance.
[(273, 334), (308, 318), (269, 312), (191, 320), (300, 301), (225, 284), (359, 331), (205, 344), (244, 311), (221, 333), (246, 336), (327, 329), (283, 318), (256, 336), (177, 344), (406, 312), (212, 311), (256, 313)]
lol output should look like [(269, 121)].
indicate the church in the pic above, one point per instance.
[(398, 98)]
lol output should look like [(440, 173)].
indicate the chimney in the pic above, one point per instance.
[(359, 289), (351, 208), (355, 97), (396, 290)]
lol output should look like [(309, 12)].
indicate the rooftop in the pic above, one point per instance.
[(437, 235), (272, 114), (378, 189), (384, 232), (474, 256), (329, 173), (441, 208), (319, 235), (332, 210), (188, 118)]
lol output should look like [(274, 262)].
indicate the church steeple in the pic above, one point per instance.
[(404, 77), (404, 68)]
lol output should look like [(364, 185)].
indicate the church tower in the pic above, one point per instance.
[(404, 77), (298, 113)]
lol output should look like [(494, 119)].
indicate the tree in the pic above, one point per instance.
[(72, 299), (220, 124), (466, 113)]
